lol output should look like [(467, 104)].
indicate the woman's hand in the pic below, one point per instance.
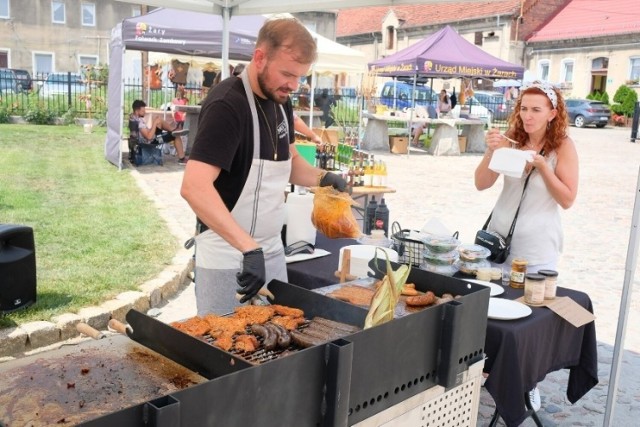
[(537, 161), (495, 140)]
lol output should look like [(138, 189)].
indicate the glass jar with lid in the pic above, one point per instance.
[(534, 289), (518, 271), (550, 283)]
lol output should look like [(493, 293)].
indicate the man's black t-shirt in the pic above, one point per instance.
[(225, 135)]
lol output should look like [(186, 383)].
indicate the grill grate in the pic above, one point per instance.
[(261, 355)]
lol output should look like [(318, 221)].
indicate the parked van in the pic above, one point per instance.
[(424, 96)]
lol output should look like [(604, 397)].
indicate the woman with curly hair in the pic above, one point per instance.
[(539, 123)]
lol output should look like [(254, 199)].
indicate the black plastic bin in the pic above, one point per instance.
[(17, 267)]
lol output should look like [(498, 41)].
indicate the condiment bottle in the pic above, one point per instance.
[(518, 271), (550, 283), (381, 221), (370, 215), (534, 288)]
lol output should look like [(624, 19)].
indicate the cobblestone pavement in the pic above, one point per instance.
[(597, 230)]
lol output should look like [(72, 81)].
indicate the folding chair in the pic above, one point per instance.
[(142, 152)]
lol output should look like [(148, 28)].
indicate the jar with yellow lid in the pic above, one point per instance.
[(518, 271)]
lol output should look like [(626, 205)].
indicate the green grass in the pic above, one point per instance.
[(96, 234)]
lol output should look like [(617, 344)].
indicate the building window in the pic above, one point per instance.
[(543, 70), (391, 32), (4, 9), (89, 14), (136, 10), (42, 63), (87, 60), (634, 69), (4, 58), (601, 64), (567, 70), (478, 38), (57, 12)]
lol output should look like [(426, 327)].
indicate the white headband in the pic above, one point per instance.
[(546, 88)]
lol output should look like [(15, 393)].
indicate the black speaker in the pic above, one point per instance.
[(17, 267)]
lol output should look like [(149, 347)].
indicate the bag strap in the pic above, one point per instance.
[(515, 218)]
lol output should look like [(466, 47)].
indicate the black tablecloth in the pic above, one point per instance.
[(520, 353)]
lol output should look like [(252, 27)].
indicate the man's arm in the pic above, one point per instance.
[(301, 127), (147, 132), (205, 201)]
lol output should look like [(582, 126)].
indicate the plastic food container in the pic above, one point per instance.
[(437, 258), (473, 253), (471, 267), (445, 270), (440, 244)]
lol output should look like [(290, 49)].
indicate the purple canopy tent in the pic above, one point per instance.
[(445, 54), (174, 32), (191, 33)]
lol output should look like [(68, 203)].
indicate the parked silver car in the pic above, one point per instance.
[(494, 102), (584, 112), (62, 84)]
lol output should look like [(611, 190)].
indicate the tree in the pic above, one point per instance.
[(625, 100)]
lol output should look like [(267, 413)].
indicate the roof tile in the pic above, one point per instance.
[(591, 18), (369, 19)]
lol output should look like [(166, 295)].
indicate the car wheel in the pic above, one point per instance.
[(579, 121), (600, 125)]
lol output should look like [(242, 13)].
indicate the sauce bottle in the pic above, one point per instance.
[(381, 221)]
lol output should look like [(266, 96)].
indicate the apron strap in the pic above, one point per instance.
[(254, 113)]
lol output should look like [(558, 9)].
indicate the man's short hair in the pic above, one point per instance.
[(138, 104), (288, 34)]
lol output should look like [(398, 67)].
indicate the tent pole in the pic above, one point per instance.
[(312, 91), (413, 108), (122, 107), (360, 102), (629, 273), (226, 16)]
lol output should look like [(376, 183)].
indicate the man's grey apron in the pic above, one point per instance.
[(259, 211)]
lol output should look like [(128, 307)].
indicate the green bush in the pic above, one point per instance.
[(4, 114), (37, 113), (604, 98), (625, 100)]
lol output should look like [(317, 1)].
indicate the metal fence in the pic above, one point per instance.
[(88, 99)]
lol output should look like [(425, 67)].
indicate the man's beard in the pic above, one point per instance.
[(265, 90)]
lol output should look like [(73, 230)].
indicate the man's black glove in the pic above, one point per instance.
[(336, 181), (253, 275)]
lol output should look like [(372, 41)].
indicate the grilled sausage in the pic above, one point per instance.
[(284, 338), (269, 336), (336, 325), (271, 340), (319, 334), (422, 300), (303, 340)]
